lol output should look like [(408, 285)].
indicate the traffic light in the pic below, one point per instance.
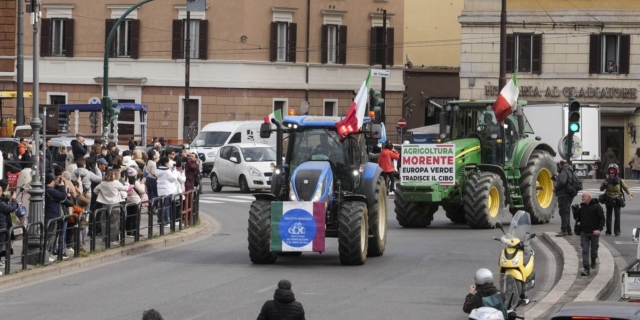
[(574, 115), (109, 113), (376, 103)]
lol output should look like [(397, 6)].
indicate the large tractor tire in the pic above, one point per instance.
[(378, 220), (455, 213), (260, 233), (353, 233), (483, 200), (537, 187), (413, 214)]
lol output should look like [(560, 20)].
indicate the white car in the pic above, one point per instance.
[(247, 166)]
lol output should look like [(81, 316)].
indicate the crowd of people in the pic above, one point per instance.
[(91, 177)]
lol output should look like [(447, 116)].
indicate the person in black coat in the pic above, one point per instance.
[(590, 219), (79, 147), (283, 306), (8, 205)]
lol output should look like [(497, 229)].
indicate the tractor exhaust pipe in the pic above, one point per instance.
[(442, 119)]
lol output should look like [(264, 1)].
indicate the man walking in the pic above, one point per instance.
[(565, 196), (283, 306), (590, 218)]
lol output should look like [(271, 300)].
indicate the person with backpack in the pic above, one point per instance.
[(613, 197), (567, 187), (484, 294), (283, 306)]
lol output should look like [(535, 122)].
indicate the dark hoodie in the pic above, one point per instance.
[(474, 300), (283, 307), (608, 159), (591, 216)]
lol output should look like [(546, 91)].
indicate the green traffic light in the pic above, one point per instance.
[(574, 127)]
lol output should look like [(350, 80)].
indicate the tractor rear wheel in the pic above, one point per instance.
[(378, 219), (537, 187), (413, 214), (455, 213), (353, 233), (483, 200), (260, 233)]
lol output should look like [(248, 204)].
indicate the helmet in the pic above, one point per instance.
[(484, 276), (613, 166)]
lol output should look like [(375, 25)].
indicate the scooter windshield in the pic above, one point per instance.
[(520, 227), (510, 291)]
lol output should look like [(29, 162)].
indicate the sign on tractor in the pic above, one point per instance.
[(297, 226), (428, 163)]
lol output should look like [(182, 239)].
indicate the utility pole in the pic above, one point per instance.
[(36, 204), (20, 65), (503, 46), (187, 51), (383, 109)]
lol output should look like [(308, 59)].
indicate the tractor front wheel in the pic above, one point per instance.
[(260, 233), (455, 213), (378, 220), (353, 233), (413, 214), (483, 200), (536, 186)]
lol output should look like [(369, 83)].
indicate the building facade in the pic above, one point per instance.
[(248, 57), (590, 48)]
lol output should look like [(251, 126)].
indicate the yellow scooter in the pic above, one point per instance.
[(517, 259)]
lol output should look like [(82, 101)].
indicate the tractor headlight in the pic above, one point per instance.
[(516, 260), (503, 260), (292, 193), (355, 173), (318, 193), (253, 171)]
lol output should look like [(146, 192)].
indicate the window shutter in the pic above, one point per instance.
[(625, 52), (134, 42), (273, 49), (510, 50), (390, 46), (291, 42), (109, 24), (325, 44), (177, 49), (204, 39), (373, 46), (595, 50), (342, 45), (536, 61), (45, 38), (69, 28)]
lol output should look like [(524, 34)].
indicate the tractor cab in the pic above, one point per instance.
[(476, 119)]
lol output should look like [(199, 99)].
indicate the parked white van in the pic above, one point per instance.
[(215, 135)]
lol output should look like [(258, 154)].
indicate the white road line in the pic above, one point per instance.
[(225, 199), (625, 242), (209, 201), (244, 197), (265, 289)]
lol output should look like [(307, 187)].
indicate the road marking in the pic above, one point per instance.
[(625, 242), (265, 289), (209, 201), (224, 199), (244, 197)]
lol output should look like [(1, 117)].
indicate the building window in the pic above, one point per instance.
[(283, 42), (332, 43), (609, 53), (194, 36), (376, 50), (124, 39), (524, 53), (57, 37), (330, 108), (280, 105)]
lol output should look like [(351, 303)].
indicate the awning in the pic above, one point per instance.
[(98, 107), (621, 109)]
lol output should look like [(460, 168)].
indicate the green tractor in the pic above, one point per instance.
[(496, 165)]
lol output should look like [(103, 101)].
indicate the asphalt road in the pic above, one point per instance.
[(424, 273)]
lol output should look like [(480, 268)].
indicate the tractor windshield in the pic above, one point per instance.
[(317, 145)]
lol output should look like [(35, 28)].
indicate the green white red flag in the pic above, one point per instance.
[(355, 116), (297, 226), (507, 100)]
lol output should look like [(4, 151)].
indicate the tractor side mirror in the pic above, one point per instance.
[(499, 226), (265, 130)]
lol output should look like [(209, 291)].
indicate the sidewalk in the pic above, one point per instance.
[(572, 286)]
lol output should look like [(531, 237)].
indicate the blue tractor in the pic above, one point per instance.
[(318, 166)]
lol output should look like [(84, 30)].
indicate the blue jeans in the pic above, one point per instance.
[(167, 210), (636, 174)]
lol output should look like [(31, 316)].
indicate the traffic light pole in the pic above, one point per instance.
[(502, 81), (383, 107), (106, 101)]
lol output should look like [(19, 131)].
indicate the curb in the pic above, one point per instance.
[(569, 275), (606, 274), (27, 276)]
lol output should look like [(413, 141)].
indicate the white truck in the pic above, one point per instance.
[(551, 123)]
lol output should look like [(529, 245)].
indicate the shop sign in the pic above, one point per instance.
[(578, 92)]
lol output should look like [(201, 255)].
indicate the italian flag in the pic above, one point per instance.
[(355, 116), (276, 114), (297, 226), (506, 102)]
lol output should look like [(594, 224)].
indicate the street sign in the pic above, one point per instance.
[(381, 73), (94, 100), (196, 5), (402, 123)]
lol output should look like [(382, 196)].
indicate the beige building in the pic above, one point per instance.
[(248, 57), (589, 47), (432, 32)]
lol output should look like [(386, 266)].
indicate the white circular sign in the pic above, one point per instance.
[(94, 100)]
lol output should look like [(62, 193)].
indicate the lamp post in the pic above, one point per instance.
[(108, 113)]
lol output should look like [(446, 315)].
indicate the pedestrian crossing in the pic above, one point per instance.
[(596, 191), (225, 198)]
